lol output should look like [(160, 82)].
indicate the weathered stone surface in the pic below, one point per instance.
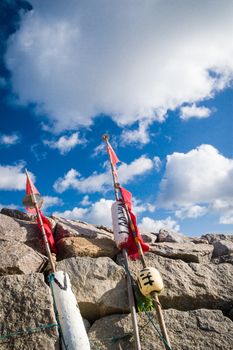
[(213, 237), (171, 236), (98, 284), (79, 246), (199, 329), (149, 237), (223, 259), (21, 231), (73, 228), (222, 247), (17, 214), (190, 285), (17, 258), (188, 252), (25, 304)]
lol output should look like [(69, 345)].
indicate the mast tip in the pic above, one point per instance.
[(105, 137)]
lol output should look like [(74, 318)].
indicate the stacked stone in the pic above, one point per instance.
[(197, 299)]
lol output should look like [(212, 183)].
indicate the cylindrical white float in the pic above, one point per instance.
[(150, 280), (73, 331), (119, 224)]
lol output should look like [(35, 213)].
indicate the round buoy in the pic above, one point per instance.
[(150, 280), (27, 201), (119, 224)]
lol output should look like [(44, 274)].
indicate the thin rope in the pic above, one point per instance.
[(28, 331)]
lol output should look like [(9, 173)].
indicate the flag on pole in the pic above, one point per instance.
[(28, 193), (48, 231), (131, 245), (113, 157), (30, 187)]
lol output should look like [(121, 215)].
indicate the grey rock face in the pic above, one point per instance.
[(17, 258), (188, 252), (79, 246), (98, 284), (213, 237), (199, 329), (72, 228), (17, 214), (21, 231), (191, 286), (26, 304), (171, 236), (222, 247)]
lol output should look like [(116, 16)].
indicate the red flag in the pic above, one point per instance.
[(48, 231), (112, 154), (131, 245), (29, 190), (127, 196)]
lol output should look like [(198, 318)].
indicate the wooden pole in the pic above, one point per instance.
[(125, 256), (141, 256), (34, 201)]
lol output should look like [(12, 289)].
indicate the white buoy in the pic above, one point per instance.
[(73, 331), (119, 224)]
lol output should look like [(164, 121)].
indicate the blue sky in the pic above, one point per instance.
[(156, 77)]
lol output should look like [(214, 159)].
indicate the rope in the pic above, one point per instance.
[(29, 331), (159, 333)]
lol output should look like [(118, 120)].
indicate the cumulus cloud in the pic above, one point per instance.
[(9, 206), (136, 136), (196, 181), (150, 225), (101, 182), (85, 201), (193, 211), (98, 213), (193, 111), (12, 177), (65, 143), (224, 209), (9, 140), (50, 201), (133, 62)]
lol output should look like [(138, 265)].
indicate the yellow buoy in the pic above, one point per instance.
[(150, 280)]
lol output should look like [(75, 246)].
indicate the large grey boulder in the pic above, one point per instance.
[(69, 247), (213, 237), (98, 284), (198, 329), (17, 214), (74, 228), (190, 285), (222, 247), (188, 252), (171, 236), (26, 306), (18, 258), (26, 232)]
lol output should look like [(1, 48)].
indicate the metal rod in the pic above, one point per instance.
[(125, 256), (34, 201)]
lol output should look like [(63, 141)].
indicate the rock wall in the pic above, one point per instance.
[(197, 298)]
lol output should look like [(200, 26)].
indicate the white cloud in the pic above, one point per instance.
[(98, 213), (85, 201), (224, 209), (99, 149), (127, 60), (193, 211), (9, 140), (65, 143), (103, 181), (196, 181), (193, 111), (12, 177), (149, 225), (137, 136), (50, 201)]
